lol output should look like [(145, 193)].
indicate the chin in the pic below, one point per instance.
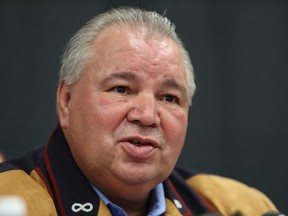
[(143, 175)]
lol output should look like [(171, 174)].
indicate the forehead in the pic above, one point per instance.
[(116, 39), (132, 49)]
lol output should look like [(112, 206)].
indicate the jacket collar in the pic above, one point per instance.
[(71, 189)]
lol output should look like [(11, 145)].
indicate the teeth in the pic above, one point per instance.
[(138, 143)]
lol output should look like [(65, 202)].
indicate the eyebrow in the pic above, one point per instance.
[(128, 76)]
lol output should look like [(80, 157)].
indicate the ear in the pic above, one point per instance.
[(63, 104)]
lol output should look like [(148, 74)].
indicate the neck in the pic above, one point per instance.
[(132, 207), (132, 198)]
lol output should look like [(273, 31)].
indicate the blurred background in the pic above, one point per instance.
[(239, 119)]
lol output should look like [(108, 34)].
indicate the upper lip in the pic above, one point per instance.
[(151, 141)]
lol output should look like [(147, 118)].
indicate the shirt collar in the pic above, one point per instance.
[(157, 201)]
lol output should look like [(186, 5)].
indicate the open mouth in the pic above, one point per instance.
[(139, 143), (140, 148)]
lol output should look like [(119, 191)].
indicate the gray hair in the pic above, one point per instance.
[(78, 48)]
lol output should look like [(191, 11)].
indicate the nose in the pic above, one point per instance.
[(144, 111)]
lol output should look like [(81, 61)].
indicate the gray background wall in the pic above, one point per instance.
[(238, 121)]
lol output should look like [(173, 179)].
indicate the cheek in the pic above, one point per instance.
[(94, 119), (89, 113), (105, 113), (175, 128)]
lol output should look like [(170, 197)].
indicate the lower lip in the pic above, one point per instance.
[(135, 151)]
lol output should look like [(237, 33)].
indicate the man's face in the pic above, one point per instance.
[(126, 118)]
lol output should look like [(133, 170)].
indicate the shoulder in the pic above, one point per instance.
[(30, 188), (227, 195), (20, 178)]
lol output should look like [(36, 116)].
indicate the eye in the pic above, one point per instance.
[(120, 89), (171, 99)]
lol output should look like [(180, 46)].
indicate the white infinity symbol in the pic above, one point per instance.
[(87, 207)]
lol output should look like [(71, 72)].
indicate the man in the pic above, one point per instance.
[(123, 98)]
